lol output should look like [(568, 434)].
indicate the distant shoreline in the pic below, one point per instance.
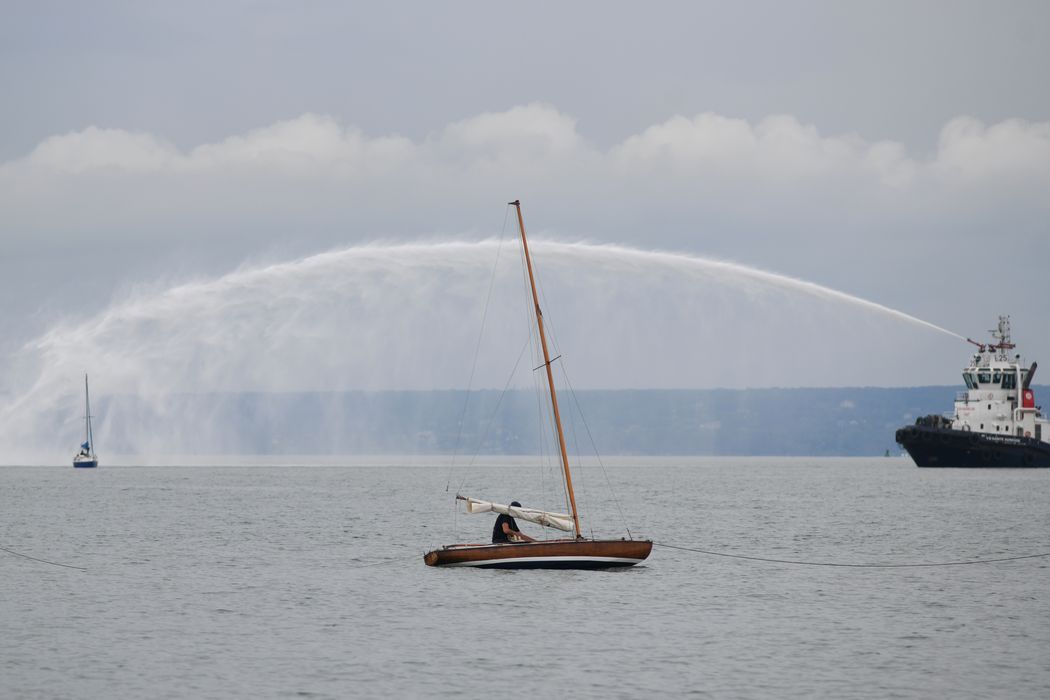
[(325, 427)]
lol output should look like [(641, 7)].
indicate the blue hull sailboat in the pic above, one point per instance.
[(86, 458)]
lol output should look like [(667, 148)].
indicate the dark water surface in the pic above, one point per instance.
[(215, 582)]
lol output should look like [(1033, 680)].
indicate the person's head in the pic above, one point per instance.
[(515, 504)]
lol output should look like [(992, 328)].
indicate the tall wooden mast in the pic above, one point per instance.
[(550, 375)]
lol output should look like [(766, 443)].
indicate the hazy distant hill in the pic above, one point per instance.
[(846, 421)]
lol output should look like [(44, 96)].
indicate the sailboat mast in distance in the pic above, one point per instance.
[(550, 375), (87, 417)]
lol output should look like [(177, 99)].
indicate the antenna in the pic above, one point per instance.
[(1002, 334)]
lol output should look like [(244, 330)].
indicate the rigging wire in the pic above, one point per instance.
[(42, 561), (545, 419), (492, 416), (544, 423), (579, 463), (549, 324), (594, 446), (850, 565), (541, 433), (579, 408), (477, 347)]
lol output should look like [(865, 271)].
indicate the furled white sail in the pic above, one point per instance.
[(560, 521)]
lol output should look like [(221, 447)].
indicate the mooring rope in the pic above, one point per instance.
[(385, 562), (42, 561), (849, 565)]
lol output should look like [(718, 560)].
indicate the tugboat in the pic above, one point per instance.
[(996, 422)]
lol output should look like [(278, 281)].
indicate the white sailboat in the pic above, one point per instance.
[(86, 458)]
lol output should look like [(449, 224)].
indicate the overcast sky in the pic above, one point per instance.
[(899, 151), (197, 72)]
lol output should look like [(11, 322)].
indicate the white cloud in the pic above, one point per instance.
[(779, 147), (297, 145), (284, 147), (1012, 149), (98, 149), (538, 128)]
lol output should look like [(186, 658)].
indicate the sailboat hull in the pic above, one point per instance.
[(551, 554), (85, 463)]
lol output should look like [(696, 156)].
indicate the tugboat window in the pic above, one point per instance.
[(969, 382), (984, 377), (996, 378), (1009, 380)]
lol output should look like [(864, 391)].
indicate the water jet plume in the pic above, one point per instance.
[(406, 316)]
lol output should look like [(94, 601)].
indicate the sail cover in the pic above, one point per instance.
[(560, 521)]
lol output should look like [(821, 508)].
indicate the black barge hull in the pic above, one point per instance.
[(944, 447)]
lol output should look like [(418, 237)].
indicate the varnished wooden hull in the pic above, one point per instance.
[(550, 554)]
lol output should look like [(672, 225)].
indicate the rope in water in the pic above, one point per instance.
[(848, 565), (385, 562), (42, 561), (696, 550)]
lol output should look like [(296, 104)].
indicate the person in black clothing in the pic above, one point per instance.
[(506, 530)]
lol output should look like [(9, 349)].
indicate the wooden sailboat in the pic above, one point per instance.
[(576, 553)]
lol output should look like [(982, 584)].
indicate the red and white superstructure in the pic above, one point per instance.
[(996, 422), (999, 398)]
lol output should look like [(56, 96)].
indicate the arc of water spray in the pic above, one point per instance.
[(408, 255), (683, 260), (577, 249), (53, 354)]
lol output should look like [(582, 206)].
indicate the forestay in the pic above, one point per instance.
[(561, 521)]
